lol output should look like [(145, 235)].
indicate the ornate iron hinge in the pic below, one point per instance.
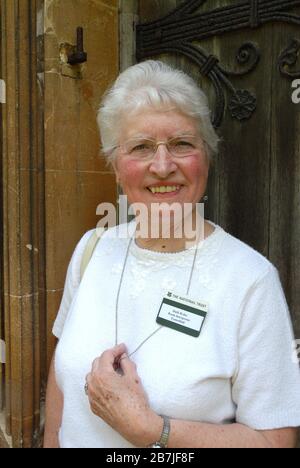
[(177, 31)]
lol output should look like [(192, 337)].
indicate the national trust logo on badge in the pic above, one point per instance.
[(2, 92)]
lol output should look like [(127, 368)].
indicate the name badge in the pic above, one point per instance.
[(182, 314)]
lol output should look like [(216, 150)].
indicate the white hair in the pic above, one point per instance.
[(153, 84)]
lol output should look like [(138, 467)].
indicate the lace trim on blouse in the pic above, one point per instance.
[(142, 263)]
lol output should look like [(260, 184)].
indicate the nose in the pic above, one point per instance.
[(162, 164)]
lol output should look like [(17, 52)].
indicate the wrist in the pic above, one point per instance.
[(163, 441), (151, 429)]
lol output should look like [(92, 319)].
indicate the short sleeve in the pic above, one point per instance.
[(71, 284), (266, 387)]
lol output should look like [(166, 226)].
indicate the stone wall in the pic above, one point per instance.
[(52, 179), (76, 179)]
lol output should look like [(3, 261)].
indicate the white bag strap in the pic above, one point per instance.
[(88, 251)]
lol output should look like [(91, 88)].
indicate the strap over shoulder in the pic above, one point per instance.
[(88, 251)]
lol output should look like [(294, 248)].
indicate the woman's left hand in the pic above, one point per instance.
[(117, 396)]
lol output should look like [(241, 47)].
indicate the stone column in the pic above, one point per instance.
[(23, 226)]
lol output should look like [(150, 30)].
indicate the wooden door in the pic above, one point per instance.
[(245, 56)]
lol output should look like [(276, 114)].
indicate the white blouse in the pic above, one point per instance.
[(240, 368)]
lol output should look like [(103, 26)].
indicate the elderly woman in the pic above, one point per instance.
[(177, 341)]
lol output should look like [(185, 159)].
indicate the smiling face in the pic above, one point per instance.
[(164, 178)]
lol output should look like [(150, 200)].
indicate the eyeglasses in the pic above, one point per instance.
[(145, 148)]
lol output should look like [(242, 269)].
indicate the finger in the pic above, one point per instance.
[(127, 365), (110, 356)]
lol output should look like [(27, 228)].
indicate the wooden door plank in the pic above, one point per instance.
[(284, 250)]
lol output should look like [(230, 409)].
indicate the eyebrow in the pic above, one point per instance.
[(144, 136)]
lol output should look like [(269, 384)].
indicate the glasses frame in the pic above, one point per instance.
[(166, 143)]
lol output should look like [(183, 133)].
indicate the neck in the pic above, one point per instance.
[(173, 244)]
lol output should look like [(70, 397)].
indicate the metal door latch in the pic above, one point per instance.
[(78, 56)]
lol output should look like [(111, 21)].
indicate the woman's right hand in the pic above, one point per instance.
[(117, 396)]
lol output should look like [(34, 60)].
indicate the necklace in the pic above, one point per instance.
[(119, 290)]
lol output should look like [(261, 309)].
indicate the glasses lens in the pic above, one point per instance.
[(182, 146), (140, 148)]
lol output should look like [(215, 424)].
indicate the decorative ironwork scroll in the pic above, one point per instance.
[(289, 58), (177, 31)]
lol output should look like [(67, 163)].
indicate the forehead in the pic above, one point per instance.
[(154, 124)]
